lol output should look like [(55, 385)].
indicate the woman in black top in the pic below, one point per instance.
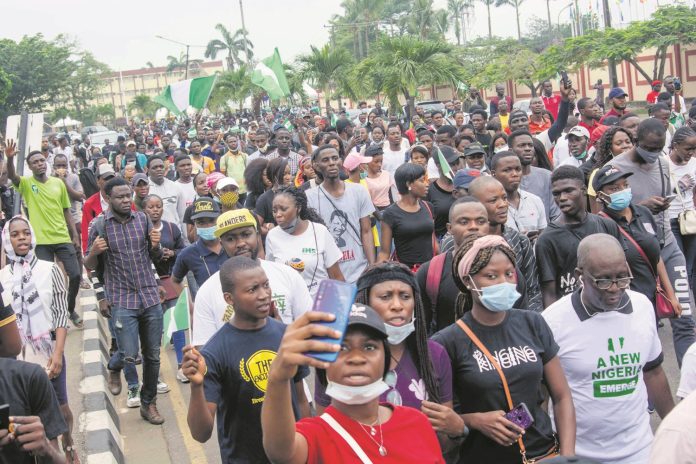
[(409, 221), (279, 176), (521, 343), (614, 196), (256, 179)]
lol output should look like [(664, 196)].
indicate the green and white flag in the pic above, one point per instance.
[(177, 318), (444, 165), (179, 96), (270, 76)]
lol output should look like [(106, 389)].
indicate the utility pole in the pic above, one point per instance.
[(244, 31), (578, 19), (187, 62), (613, 78)]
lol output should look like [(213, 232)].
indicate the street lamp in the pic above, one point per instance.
[(558, 19), (187, 50)]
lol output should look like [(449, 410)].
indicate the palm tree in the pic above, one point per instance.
[(325, 68), (516, 4), (441, 23), (175, 63), (422, 18), (456, 10), (149, 65), (295, 83), (406, 63), (142, 105), (234, 85), (233, 44), (488, 4)]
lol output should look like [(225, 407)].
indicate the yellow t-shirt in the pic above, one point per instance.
[(504, 120)]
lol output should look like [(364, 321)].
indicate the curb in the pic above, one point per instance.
[(99, 421)]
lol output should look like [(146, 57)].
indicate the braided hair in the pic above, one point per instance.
[(603, 154), (416, 342), (299, 196), (464, 299), (680, 135)]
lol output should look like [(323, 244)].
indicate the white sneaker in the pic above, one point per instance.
[(162, 387), (133, 400), (181, 377)]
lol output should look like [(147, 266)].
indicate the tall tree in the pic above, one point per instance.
[(488, 4), (324, 68), (5, 86), (142, 105), (406, 63), (232, 86), (456, 11), (234, 44), (174, 63), (515, 4), (84, 82)]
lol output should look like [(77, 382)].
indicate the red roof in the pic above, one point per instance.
[(161, 69)]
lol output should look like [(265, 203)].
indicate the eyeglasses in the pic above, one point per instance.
[(605, 284), (393, 397)]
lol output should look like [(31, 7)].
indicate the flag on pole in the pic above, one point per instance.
[(444, 165), (270, 76), (176, 318), (179, 96)]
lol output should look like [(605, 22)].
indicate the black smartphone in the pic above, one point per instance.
[(336, 298), (565, 80), (4, 417)]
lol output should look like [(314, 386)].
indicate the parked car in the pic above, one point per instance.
[(87, 130), (522, 105), (98, 138)]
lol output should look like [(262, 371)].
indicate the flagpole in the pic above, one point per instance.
[(188, 310)]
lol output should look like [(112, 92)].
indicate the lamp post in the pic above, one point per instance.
[(187, 51)]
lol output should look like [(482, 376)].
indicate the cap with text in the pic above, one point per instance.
[(205, 208), (234, 219)]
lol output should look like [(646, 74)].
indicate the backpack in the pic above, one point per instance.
[(99, 224), (432, 281), (89, 182)]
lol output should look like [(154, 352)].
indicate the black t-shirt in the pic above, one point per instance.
[(412, 233), (557, 247), (447, 292), (522, 344), (441, 201), (484, 139), (640, 227), (26, 388), (264, 207), (238, 363)]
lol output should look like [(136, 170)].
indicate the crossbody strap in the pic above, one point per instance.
[(338, 428), (467, 330), (436, 248), (635, 244)]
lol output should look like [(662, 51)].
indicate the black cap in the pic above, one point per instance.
[(473, 149), (450, 154), (205, 208), (374, 150), (361, 314), (607, 175)]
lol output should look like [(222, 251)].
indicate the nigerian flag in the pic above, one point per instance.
[(176, 318), (270, 75), (444, 165), (179, 96)]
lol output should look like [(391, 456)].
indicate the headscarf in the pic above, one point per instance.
[(487, 241), (299, 177), (35, 329)]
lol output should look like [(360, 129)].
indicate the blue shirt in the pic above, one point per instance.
[(200, 260)]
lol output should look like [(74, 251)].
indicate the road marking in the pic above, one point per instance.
[(101, 458), (195, 450), (90, 334)]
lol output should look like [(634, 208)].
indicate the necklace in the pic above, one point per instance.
[(595, 313), (372, 433)]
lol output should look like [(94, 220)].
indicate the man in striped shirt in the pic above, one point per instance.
[(129, 244)]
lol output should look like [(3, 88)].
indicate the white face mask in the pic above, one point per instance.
[(397, 335), (356, 395)]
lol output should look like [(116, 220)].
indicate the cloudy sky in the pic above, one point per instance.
[(122, 34)]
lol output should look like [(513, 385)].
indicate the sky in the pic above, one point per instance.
[(122, 35)]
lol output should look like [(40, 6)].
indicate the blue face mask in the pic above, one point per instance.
[(206, 233), (620, 200), (498, 297)]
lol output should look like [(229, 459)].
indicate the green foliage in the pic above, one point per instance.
[(84, 82), (234, 44), (5, 86), (234, 86), (174, 63), (99, 113), (326, 68), (143, 105)]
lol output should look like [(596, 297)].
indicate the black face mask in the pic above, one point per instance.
[(648, 156)]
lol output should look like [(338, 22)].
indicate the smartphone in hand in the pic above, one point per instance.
[(5, 417), (336, 298), (565, 80), (520, 416)]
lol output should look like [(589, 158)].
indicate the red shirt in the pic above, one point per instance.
[(407, 436), (535, 128), (611, 112), (91, 209), (552, 104), (652, 97), (588, 127)]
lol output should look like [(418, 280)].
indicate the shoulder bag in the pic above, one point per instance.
[(555, 449), (347, 437), (687, 217), (663, 307)]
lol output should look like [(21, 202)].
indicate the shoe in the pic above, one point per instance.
[(181, 377), (115, 382), (138, 359), (162, 387), (76, 319), (133, 400), (151, 414), (84, 284)]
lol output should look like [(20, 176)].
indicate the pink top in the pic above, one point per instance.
[(379, 189)]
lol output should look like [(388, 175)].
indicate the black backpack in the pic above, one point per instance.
[(89, 182)]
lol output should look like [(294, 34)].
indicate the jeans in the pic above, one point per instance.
[(65, 252), (146, 323), (687, 245), (116, 362), (682, 327)]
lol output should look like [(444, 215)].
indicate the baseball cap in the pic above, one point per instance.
[(105, 170), (607, 175), (130, 142), (227, 181), (473, 149), (138, 178), (450, 154), (579, 131), (617, 92), (464, 177), (361, 314), (234, 220), (205, 208), (354, 159)]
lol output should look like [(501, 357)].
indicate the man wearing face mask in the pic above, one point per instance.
[(602, 320), (577, 138), (651, 187)]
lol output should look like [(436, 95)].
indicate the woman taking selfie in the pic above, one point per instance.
[(484, 271), (356, 427)]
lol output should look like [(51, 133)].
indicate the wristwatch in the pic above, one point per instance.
[(463, 435)]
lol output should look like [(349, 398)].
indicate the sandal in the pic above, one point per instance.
[(76, 320), (71, 455)]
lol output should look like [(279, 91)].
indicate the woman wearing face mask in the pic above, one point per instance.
[(228, 192), (279, 175), (376, 432), (301, 240), (484, 271), (637, 225), (200, 185), (172, 243), (377, 134), (39, 298), (613, 142)]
